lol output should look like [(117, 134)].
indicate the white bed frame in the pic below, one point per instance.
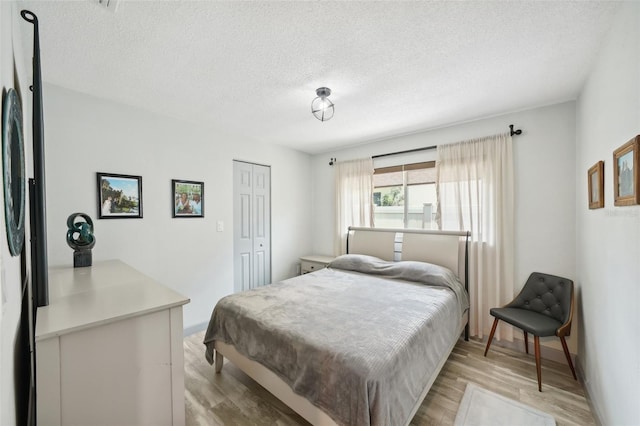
[(444, 248)]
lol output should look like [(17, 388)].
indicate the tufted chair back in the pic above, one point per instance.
[(546, 294)]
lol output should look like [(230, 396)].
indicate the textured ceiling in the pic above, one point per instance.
[(252, 67)]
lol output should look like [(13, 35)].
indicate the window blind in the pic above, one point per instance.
[(417, 173)]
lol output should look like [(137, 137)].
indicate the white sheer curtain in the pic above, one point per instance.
[(475, 193), (354, 199)]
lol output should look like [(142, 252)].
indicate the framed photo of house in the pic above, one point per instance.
[(119, 196), (625, 173), (187, 198), (595, 177)]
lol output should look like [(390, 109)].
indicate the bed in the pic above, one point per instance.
[(360, 342)]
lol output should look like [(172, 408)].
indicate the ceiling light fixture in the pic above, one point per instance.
[(322, 107)]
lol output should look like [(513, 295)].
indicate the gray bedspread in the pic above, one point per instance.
[(361, 347)]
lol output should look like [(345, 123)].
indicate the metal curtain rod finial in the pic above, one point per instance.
[(332, 161), (514, 132), (28, 16)]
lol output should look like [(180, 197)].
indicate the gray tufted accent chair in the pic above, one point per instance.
[(543, 308)]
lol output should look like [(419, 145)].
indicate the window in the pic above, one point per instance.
[(405, 196)]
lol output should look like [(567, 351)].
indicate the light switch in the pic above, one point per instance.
[(220, 226)]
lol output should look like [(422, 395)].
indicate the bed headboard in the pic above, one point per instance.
[(445, 248)]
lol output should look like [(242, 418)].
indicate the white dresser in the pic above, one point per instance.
[(109, 349)]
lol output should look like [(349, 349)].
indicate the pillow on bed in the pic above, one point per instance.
[(357, 262), (422, 272)]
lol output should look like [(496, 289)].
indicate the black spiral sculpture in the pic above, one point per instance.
[(80, 238)]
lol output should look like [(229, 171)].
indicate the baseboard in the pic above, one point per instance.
[(597, 417), (194, 329)]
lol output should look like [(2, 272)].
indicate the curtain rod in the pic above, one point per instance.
[(513, 132)]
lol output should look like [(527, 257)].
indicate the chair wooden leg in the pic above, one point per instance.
[(566, 353), (536, 341), (526, 342), (493, 330)]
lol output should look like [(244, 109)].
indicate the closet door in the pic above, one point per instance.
[(251, 225)]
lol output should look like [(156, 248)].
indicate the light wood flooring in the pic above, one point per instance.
[(233, 398)]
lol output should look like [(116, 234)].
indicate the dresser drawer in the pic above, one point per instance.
[(308, 266), (314, 262)]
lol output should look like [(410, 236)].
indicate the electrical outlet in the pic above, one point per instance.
[(220, 226)]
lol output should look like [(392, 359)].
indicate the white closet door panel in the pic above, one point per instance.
[(245, 271), (242, 225), (262, 224), (245, 216), (260, 265)]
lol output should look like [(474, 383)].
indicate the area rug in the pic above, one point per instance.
[(482, 407)]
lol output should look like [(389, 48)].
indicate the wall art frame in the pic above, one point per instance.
[(119, 196), (626, 187), (14, 176), (187, 198), (595, 179)]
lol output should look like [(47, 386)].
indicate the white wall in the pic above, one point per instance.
[(545, 183), (85, 135), (608, 239)]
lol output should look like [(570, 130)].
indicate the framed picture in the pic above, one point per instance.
[(119, 196), (625, 174), (14, 171), (596, 185), (187, 198)]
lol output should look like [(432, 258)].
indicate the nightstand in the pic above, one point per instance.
[(314, 262)]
